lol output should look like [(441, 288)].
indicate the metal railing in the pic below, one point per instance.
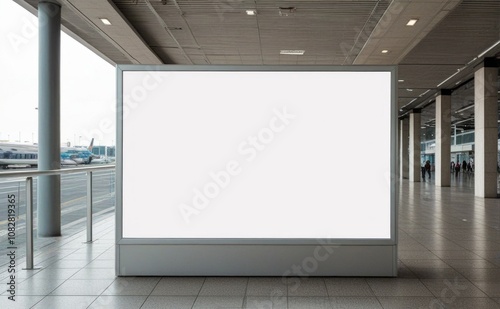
[(29, 200)]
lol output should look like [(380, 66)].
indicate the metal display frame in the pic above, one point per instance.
[(257, 257)]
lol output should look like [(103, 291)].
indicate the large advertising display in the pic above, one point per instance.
[(256, 155)]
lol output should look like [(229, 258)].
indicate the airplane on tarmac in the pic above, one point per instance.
[(22, 155)]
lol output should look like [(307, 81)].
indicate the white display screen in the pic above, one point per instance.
[(256, 154)]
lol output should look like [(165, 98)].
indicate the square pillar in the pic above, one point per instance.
[(443, 138), (403, 148), (486, 131), (414, 143)]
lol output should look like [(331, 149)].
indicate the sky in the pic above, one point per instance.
[(88, 85)]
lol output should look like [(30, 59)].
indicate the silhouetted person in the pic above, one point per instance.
[(457, 169), (427, 167)]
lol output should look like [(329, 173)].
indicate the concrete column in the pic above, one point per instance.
[(403, 148), (49, 144), (414, 143), (443, 138), (486, 130)]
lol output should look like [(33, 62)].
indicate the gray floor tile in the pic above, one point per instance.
[(169, 302), (355, 302), (417, 264), (56, 273), (478, 274), (309, 303), (101, 264), (447, 288), (409, 302), (470, 264), (57, 302), (306, 287), (33, 286), (224, 286), (492, 289), (268, 287), (180, 286), (22, 274), (437, 273), (21, 302), (83, 287), (94, 273), (488, 254), (398, 287), (405, 273), (459, 255), (467, 303), (263, 302), (118, 302), (416, 254), (132, 286), (69, 264), (205, 302), (348, 287)]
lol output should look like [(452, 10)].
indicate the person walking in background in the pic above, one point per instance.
[(464, 166), (427, 167), (457, 169), (452, 167)]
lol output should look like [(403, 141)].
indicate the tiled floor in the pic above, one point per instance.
[(449, 250)]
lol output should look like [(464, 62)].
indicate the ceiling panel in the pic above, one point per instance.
[(447, 37)]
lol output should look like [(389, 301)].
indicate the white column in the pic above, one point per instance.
[(486, 131), (415, 171), (443, 138), (49, 112), (403, 148)]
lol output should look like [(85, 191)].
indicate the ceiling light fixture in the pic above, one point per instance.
[(401, 80), (464, 108), (488, 49), (421, 95), (385, 51), (287, 11), (251, 12), (475, 58), (464, 120), (105, 21), (412, 22), (297, 52), (408, 89)]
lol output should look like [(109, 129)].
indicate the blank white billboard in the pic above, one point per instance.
[(256, 154)]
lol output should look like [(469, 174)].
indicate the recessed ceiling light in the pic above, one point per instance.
[(408, 89), (385, 51), (412, 22), (251, 12), (401, 80), (105, 21), (292, 52)]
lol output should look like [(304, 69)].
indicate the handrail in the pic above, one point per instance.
[(61, 171), (29, 199)]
